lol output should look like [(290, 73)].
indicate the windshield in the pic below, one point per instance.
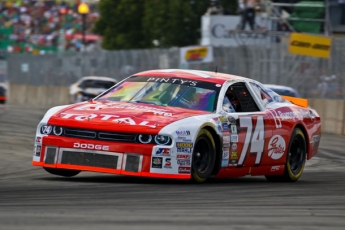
[(175, 92)]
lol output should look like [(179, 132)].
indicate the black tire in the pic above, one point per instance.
[(62, 172), (2, 102), (295, 159), (204, 156)]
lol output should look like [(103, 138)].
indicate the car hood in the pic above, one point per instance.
[(120, 116)]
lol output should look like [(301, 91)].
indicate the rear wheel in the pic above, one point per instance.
[(295, 159), (204, 156), (62, 172)]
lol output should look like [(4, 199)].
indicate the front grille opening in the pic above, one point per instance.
[(50, 155), (132, 163), (117, 137), (80, 133), (89, 159)]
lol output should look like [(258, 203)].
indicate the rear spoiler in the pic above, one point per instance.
[(297, 101)]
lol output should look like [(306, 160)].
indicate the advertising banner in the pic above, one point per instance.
[(195, 54), (310, 45)]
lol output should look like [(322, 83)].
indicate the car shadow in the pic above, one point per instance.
[(113, 179)]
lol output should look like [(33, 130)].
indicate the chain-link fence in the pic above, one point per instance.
[(273, 64)]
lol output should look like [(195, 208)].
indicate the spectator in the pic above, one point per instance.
[(29, 23), (215, 8), (342, 11), (248, 8)]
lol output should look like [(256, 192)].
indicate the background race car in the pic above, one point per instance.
[(283, 90), (3, 93), (89, 87)]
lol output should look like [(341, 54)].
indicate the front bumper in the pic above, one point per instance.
[(109, 157)]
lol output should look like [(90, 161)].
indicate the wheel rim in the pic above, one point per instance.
[(201, 156), (296, 155)]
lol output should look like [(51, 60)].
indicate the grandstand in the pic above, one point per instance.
[(38, 27)]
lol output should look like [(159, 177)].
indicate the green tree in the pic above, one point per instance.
[(120, 24), (131, 24)]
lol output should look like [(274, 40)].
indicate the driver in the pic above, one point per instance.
[(230, 102), (227, 106)]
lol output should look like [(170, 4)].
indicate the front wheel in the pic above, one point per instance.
[(62, 172), (295, 159), (204, 156)]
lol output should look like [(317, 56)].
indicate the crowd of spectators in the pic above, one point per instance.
[(38, 26)]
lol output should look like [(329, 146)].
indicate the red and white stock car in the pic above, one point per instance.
[(182, 124)]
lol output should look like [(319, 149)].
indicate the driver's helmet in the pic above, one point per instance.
[(227, 106)]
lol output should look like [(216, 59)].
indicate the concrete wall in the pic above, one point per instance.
[(331, 111), (332, 114), (45, 96)]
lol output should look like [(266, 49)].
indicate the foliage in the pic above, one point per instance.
[(136, 24)]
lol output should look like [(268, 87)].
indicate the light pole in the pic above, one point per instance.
[(83, 9)]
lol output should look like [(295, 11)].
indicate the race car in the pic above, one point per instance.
[(3, 91), (283, 90), (181, 124), (89, 87)]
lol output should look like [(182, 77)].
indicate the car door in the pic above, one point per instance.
[(249, 128), (276, 146)]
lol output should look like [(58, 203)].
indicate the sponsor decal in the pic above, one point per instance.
[(184, 147), (234, 156), (38, 139), (234, 138), (233, 129), (225, 126), (163, 152), (182, 156), (275, 168), (184, 169), (173, 81), (90, 146), (225, 162), (219, 128), (167, 163), (184, 139), (38, 151), (184, 144), (223, 119), (276, 147), (287, 115), (157, 162), (106, 117), (184, 150), (225, 153), (233, 162), (183, 133), (232, 120), (46, 129), (183, 162), (226, 139), (234, 146)]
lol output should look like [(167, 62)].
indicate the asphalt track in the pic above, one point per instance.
[(30, 198)]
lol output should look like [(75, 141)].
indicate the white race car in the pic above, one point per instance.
[(89, 87), (181, 124)]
